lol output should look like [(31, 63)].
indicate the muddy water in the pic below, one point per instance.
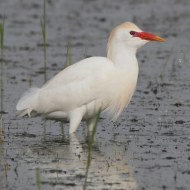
[(148, 147)]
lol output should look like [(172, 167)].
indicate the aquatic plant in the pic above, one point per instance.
[(85, 52), (2, 37), (38, 179), (173, 64), (90, 144), (1, 59), (1, 130), (68, 55), (43, 28), (1, 77), (62, 129), (165, 66)]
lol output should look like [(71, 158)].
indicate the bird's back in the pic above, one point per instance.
[(85, 68)]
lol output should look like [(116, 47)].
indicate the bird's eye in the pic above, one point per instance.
[(132, 33)]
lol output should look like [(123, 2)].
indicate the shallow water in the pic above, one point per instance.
[(148, 147)]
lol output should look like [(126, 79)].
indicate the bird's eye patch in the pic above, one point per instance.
[(132, 33)]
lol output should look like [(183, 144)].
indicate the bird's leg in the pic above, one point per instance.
[(75, 119)]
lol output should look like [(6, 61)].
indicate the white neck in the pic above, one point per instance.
[(121, 55), (126, 67)]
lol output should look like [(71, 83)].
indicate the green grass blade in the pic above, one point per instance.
[(1, 60), (166, 64), (1, 129), (2, 38), (44, 13), (43, 29), (164, 68), (90, 144), (69, 55), (85, 52), (38, 179)]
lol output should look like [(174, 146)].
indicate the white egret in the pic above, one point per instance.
[(97, 83)]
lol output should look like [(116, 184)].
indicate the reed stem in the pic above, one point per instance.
[(43, 28), (1, 60), (69, 55), (90, 144), (38, 179)]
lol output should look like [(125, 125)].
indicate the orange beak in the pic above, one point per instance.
[(149, 36)]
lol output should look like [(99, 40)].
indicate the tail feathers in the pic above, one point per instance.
[(27, 102)]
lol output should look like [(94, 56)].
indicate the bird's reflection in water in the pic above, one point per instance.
[(63, 163)]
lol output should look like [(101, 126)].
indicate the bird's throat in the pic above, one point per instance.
[(121, 55)]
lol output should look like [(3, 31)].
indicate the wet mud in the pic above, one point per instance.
[(147, 148)]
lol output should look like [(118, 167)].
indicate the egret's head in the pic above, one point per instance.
[(131, 35)]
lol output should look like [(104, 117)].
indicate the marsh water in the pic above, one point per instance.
[(147, 148)]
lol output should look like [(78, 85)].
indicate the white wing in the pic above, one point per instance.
[(77, 85)]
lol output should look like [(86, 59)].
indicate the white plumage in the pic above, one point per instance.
[(97, 83)]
